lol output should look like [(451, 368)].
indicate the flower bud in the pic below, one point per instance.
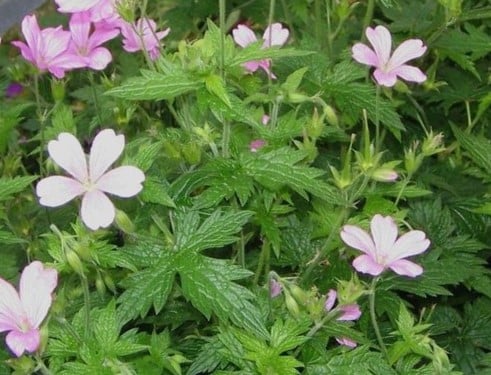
[(292, 305), (295, 97), (412, 160), (99, 285), (340, 180), (432, 144), (108, 280), (299, 294), (126, 10), (256, 145), (275, 288), (124, 222), (350, 290), (74, 261), (58, 90), (192, 153), (316, 126), (384, 175), (331, 116)]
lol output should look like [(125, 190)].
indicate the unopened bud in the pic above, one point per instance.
[(108, 280), (316, 126), (433, 144), (412, 160), (192, 153), (58, 89), (99, 285), (299, 294), (350, 291), (295, 97), (74, 261), (384, 175), (331, 116), (292, 305), (124, 222), (340, 180)]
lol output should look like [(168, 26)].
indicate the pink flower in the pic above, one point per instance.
[(387, 67), (47, 48), (244, 36), (22, 313), (145, 29), (348, 312), (86, 47), (265, 119), (92, 182), (383, 249), (256, 145), (275, 288), (346, 342)]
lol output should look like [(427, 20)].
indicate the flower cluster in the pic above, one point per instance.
[(92, 23)]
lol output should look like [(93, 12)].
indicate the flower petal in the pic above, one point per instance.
[(364, 55), (366, 264), (381, 41), (243, 36), (346, 342), (358, 239), (99, 58), (278, 34), (11, 311), (74, 6), (407, 50), (387, 79), (106, 148), (35, 288), (384, 232), (69, 155), (55, 191), (410, 73), (349, 312), (123, 181), (97, 210), (406, 268), (330, 300), (19, 341), (411, 243)]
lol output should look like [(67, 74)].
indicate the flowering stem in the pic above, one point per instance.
[(263, 262), (41, 123), (226, 124), (85, 286), (95, 97), (368, 16), (377, 121), (373, 317)]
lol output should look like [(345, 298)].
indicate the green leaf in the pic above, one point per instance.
[(207, 284), (8, 238), (106, 327), (217, 230), (155, 86), (215, 85), (147, 288), (156, 192), (294, 79), (12, 185), (255, 51), (478, 148)]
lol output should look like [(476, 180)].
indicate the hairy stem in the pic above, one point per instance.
[(373, 317), (368, 16)]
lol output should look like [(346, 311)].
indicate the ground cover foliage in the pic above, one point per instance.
[(255, 169)]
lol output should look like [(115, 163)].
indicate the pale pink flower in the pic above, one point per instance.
[(265, 119), (347, 312), (346, 342), (91, 182), (86, 46), (244, 36), (387, 67), (145, 29), (383, 249), (21, 313), (256, 145), (105, 15), (47, 48), (275, 288)]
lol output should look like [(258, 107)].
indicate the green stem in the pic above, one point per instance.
[(330, 37), (401, 190), (41, 366), (263, 262), (373, 317), (469, 116), (377, 120), (39, 112), (368, 16), (95, 97), (85, 286), (319, 34), (226, 124)]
